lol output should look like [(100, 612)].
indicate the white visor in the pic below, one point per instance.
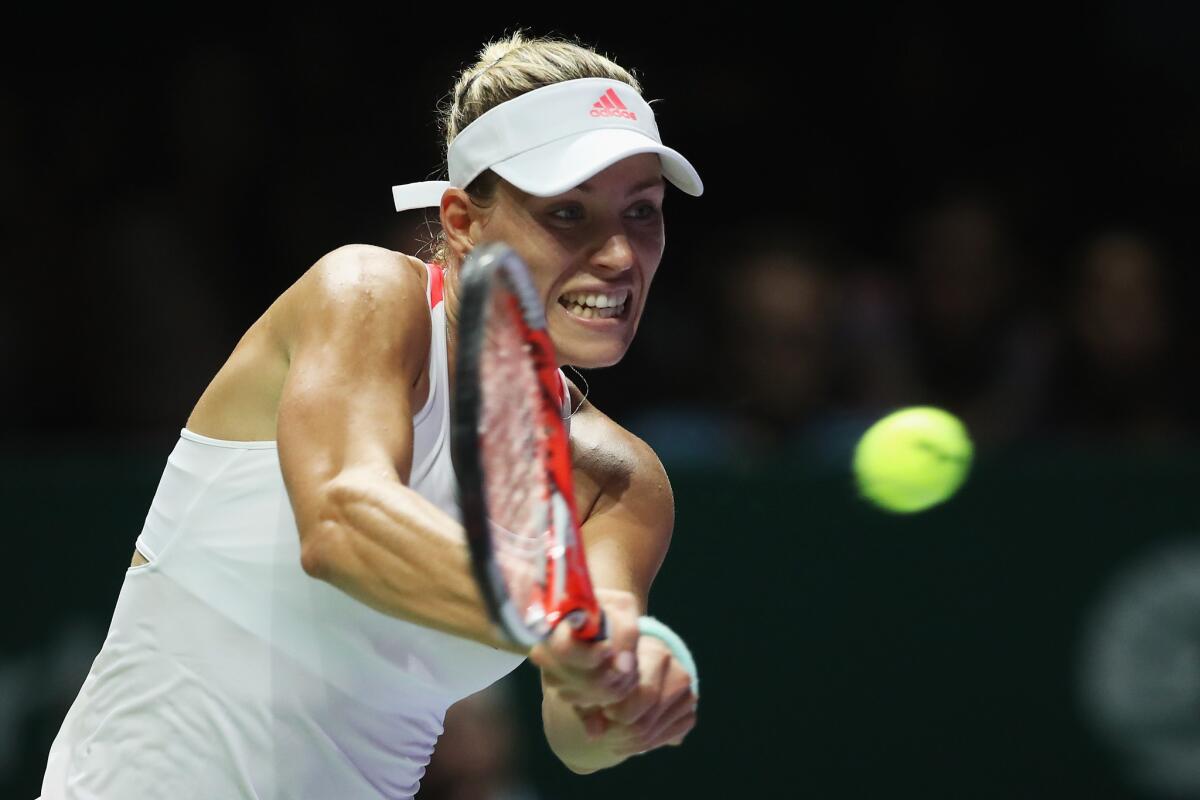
[(552, 139)]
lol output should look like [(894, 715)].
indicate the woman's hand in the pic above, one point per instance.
[(599, 673), (659, 710)]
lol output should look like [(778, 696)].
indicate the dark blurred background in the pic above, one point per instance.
[(991, 212)]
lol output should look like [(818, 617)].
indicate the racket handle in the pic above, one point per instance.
[(586, 627)]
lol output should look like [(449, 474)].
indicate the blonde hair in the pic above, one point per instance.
[(508, 68)]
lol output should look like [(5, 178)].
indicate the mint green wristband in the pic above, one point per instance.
[(649, 626)]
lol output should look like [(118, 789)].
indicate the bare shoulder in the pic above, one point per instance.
[(363, 280), (368, 264), (357, 303), (623, 467), (358, 337)]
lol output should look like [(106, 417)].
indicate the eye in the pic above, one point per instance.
[(644, 211), (570, 213)]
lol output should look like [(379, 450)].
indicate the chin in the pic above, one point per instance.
[(591, 361), (586, 349), (592, 357)]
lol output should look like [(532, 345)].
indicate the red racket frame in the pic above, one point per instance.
[(567, 593)]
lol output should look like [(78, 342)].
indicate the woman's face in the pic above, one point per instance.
[(592, 253)]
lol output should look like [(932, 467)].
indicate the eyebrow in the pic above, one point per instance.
[(648, 184)]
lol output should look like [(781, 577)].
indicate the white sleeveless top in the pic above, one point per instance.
[(228, 672)]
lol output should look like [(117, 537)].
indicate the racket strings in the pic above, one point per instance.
[(513, 442)]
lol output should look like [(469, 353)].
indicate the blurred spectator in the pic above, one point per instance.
[(773, 369), (780, 312), (477, 755), (1118, 376), (983, 349), (876, 343)]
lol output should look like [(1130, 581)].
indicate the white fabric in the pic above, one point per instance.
[(551, 139), (229, 673)]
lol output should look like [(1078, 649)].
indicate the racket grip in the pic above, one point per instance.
[(579, 619)]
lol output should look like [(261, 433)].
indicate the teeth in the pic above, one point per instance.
[(596, 300), (590, 312)]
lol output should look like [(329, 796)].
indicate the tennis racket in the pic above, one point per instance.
[(512, 456)]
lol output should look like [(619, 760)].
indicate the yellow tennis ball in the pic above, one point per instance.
[(912, 459)]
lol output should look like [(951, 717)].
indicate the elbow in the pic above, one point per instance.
[(318, 551), (322, 540)]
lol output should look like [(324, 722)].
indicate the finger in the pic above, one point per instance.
[(645, 697), (624, 676), (674, 695), (601, 692), (675, 735), (621, 611), (565, 661), (603, 686), (661, 716), (647, 732), (562, 649), (633, 707), (675, 732), (658, 732), (611, 682), (623, 633)]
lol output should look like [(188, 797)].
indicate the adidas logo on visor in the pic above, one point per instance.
[(609, 105)]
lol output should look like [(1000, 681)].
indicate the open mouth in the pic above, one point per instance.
[(601, 305)]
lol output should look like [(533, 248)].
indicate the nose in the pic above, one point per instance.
[(615, 254)]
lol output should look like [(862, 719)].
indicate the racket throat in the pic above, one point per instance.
[(568, 577)]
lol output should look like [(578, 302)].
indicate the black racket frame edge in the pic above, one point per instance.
[(478, 271)]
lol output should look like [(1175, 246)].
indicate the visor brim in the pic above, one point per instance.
[(561, 165)]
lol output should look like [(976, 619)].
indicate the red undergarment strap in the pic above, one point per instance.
[(436, 277)]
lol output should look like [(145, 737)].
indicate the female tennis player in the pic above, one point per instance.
[(300, 611)]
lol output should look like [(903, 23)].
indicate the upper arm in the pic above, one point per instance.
[(358, 341), (628, 531)]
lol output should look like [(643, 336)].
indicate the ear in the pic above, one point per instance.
[(461, 222)]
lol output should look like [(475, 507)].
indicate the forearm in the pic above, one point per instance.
[(569, 740), (390, 548)]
